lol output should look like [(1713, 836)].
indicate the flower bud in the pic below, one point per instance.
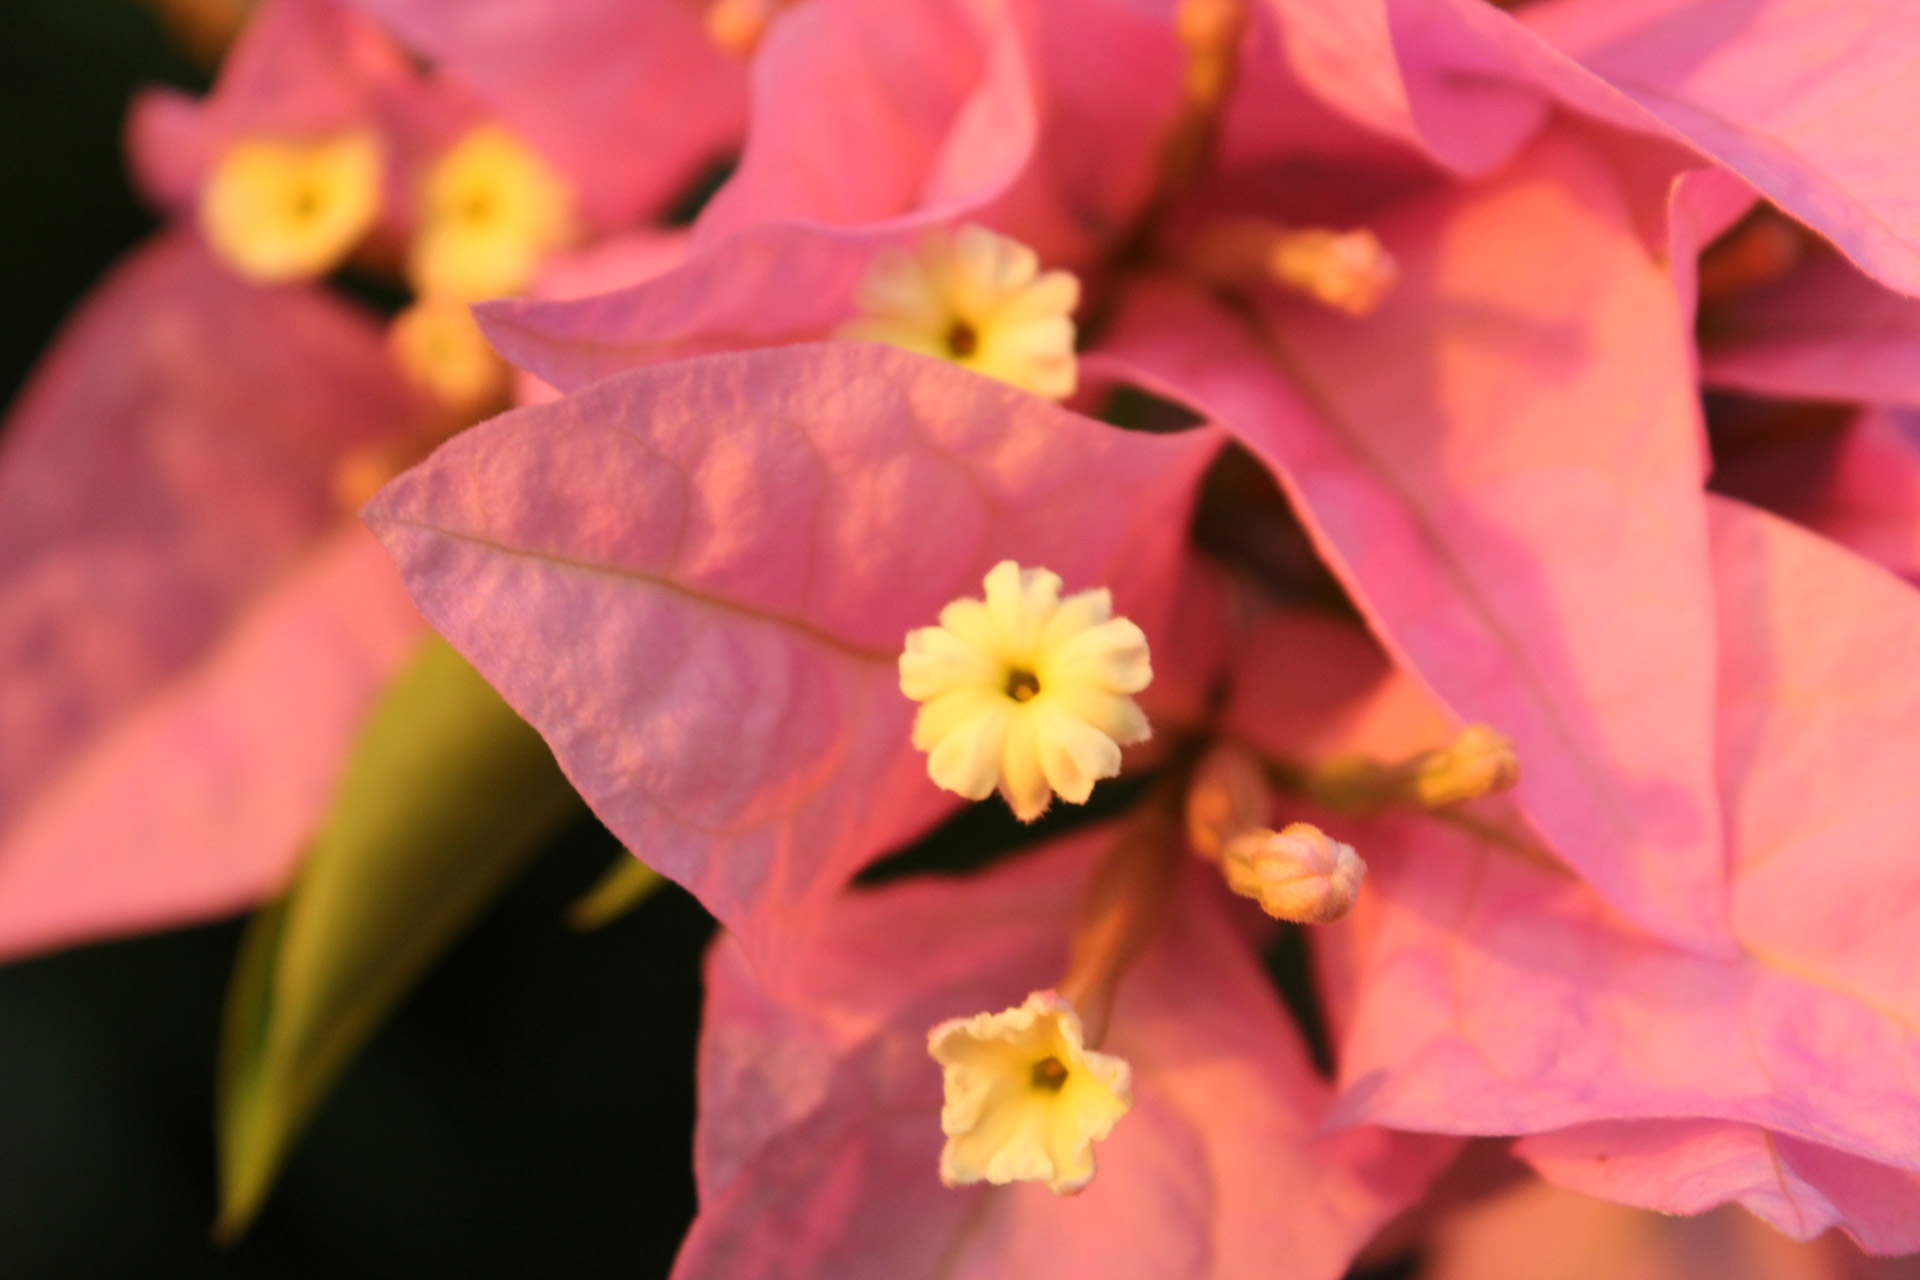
[(738, 25), (1350, 271), (1477, 763), (1298, 873), (439, 347), (1227, 797)]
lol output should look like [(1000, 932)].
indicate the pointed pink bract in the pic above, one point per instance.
[(695, 581), (1504, 464), (820, 1138), (169, 462)]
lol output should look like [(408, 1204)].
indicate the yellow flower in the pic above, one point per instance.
[(278, 211), (1025, 691), (491, 210), (440, 348), (979, 300), (1025, 1099)]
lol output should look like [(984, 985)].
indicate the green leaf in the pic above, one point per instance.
[(445, 796), (626, 884)]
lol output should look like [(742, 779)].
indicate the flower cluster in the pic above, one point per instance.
[(1293, 416)]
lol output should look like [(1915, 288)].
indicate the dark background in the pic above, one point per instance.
[(530, 1110)]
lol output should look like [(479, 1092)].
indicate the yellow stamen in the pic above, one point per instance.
[(738, 26), (276, 211)]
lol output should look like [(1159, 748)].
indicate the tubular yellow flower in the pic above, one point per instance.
[(279, 211), (1025, 691), (979, 300), (440, 348), (1025, 1099), (490, 211)]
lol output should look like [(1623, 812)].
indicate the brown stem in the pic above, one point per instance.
[(1127, 897)]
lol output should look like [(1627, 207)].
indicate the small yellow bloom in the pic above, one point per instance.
[(1025, 1099), (440, 348), (1025, 691), (278, 211), (491, 210), (979, 300)]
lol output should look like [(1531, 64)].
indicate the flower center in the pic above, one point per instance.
[(1022, 685), (962, 340), (1049, 1075)]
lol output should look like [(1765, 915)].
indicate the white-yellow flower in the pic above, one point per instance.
[(1025, 1099), (490, 212), (977, 299), (1026, 692), (277, 210)]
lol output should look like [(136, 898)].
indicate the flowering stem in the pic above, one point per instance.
[(1210, 31), (1127, 895)]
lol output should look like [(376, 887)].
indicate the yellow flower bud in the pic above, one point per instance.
[(1477, 763), (440, 348), (1349, 271), (1298, 873)]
